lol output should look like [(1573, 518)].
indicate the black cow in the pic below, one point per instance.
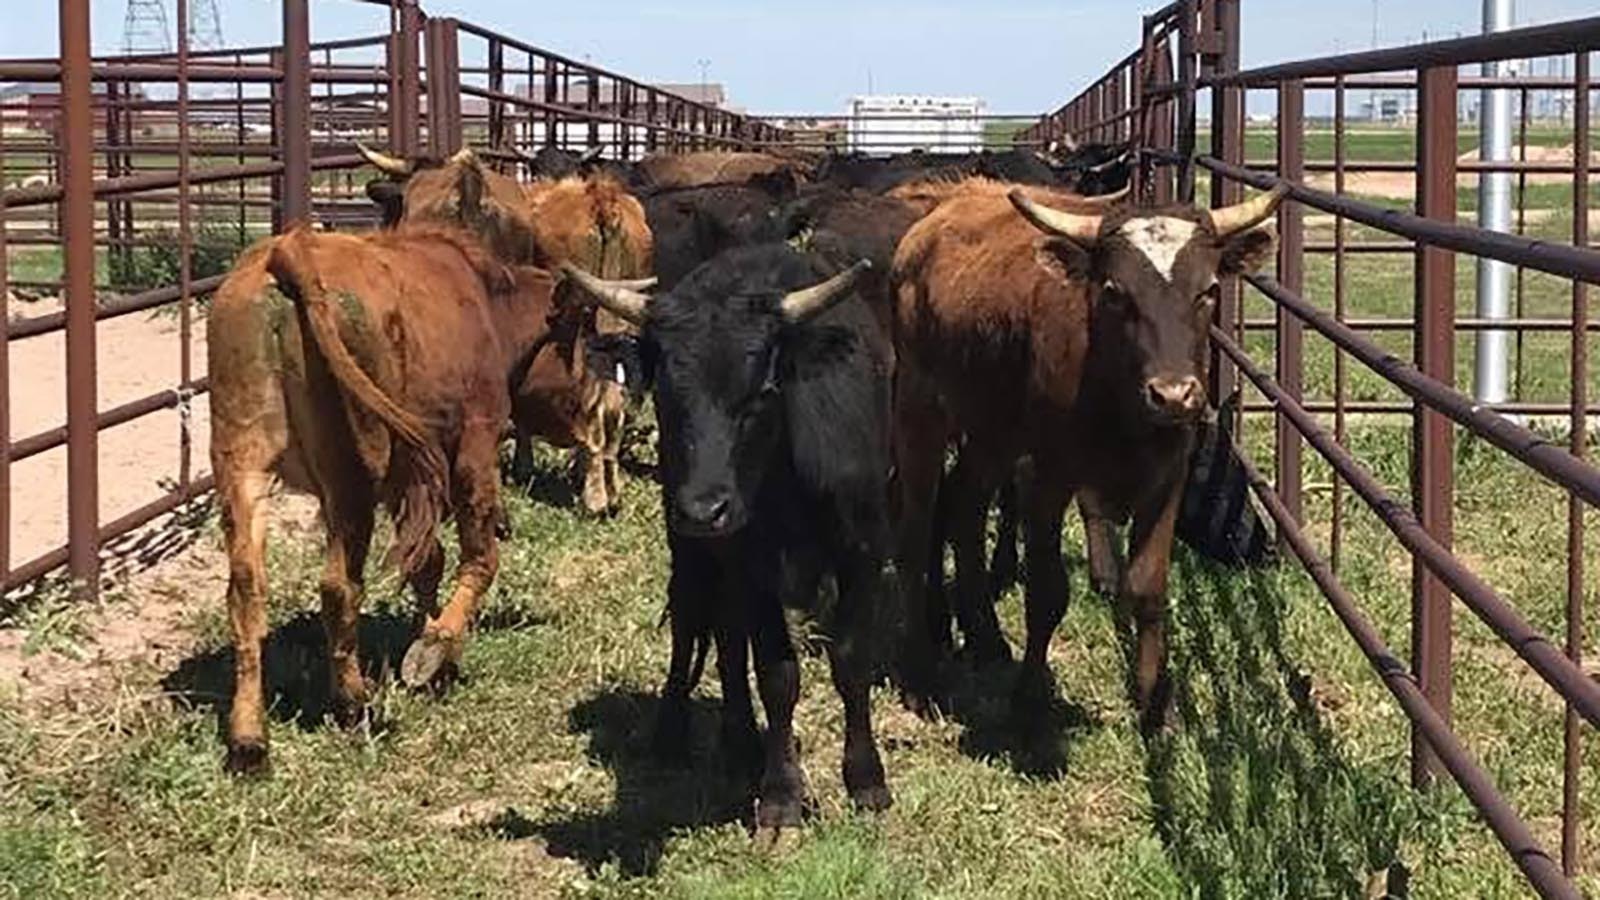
[(772, 398), (1095, 169), (695, 224)]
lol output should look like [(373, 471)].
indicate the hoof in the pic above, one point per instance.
[(248, 758), (1031, 699), (872, 799), (431, 661), (922, 704), (351, 713)]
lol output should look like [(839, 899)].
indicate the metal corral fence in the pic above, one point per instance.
[(1190, 54), (129, 167)]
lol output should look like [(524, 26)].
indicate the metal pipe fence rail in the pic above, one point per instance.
[(132, 159), (1190, 52)]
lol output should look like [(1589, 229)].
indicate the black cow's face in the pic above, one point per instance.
[(717, 384), (1153, 275), (716, 350)]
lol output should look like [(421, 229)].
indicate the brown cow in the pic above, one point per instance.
[(363, 370), (673, 171), (1082, 348), (559, 399), (590, 221)]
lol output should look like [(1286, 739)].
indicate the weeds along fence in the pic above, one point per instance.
[(130, 182), (1401, 367)]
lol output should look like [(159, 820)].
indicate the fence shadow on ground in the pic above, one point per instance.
[(1252, 795), (652, 800), (294, 668)]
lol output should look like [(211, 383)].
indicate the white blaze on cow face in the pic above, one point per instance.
[(1160, 239)]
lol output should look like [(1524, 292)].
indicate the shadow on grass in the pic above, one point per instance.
[(1252, 795), (652, 800), (980, 700), (294, 666)]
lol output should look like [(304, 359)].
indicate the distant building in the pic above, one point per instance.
[(901, 123), (36, 106)]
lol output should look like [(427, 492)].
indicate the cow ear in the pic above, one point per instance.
[(1246, 252), (1062, 258), (472, 186), (390, 199)]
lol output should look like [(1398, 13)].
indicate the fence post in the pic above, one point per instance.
[(1227, 144), (497, 107), (405, 104), (1162, 137), (1572, 749), (444, 88), (591, 103), (1186, 78), (294, 142), (1291, 274), (1432, 477), (550, 124), (77, 216)]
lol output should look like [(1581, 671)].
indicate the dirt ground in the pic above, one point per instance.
[(137, 356), (1404, 184)]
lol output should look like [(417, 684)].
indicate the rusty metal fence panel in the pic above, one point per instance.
[(147, 156), (1208, 44)]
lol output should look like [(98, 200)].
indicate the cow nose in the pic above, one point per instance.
[(1175, 396), (709, 511)]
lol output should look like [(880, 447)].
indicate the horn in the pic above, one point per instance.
[(1068, 144), (1072, 226), (1249, 214), (590, 155), (620, 297), (518, 152), (464, 155), (1105, 201), (400, 168), (801, 305)]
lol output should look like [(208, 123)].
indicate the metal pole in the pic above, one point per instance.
[(77, 215), (1494, 214), (1433, 438), (295, 140)]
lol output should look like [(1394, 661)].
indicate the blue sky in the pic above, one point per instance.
[(1020, 55)]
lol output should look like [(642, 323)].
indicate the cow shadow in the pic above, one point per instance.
[(1250, 761), (294, 665), (1038, 746), (652, 799)]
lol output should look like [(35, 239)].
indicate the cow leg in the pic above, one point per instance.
[(522, 458), (347, 512), (242, 492), (1144, 595), (936, 600), (1046, 593), (972, 483), (919, 442), (1100, 542), (782, 797), (741, 743), (849, 659), (613, 415), (1003, 570), (435, 656), (690, 590)]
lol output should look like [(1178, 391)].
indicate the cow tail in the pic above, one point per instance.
[(426, 490)]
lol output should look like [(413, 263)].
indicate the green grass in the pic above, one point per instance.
[(1371, 143), (1285, 776)]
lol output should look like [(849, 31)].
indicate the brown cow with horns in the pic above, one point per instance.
[(1075, 338)]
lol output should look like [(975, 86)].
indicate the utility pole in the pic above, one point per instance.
[(1494, 214)]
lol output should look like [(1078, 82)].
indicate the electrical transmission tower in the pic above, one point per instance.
[(205, 25), (146, 29)]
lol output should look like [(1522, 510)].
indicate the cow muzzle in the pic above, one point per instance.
[(1177, 399), (707, 514)]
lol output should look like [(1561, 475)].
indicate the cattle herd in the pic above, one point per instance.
[(848, 359)]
